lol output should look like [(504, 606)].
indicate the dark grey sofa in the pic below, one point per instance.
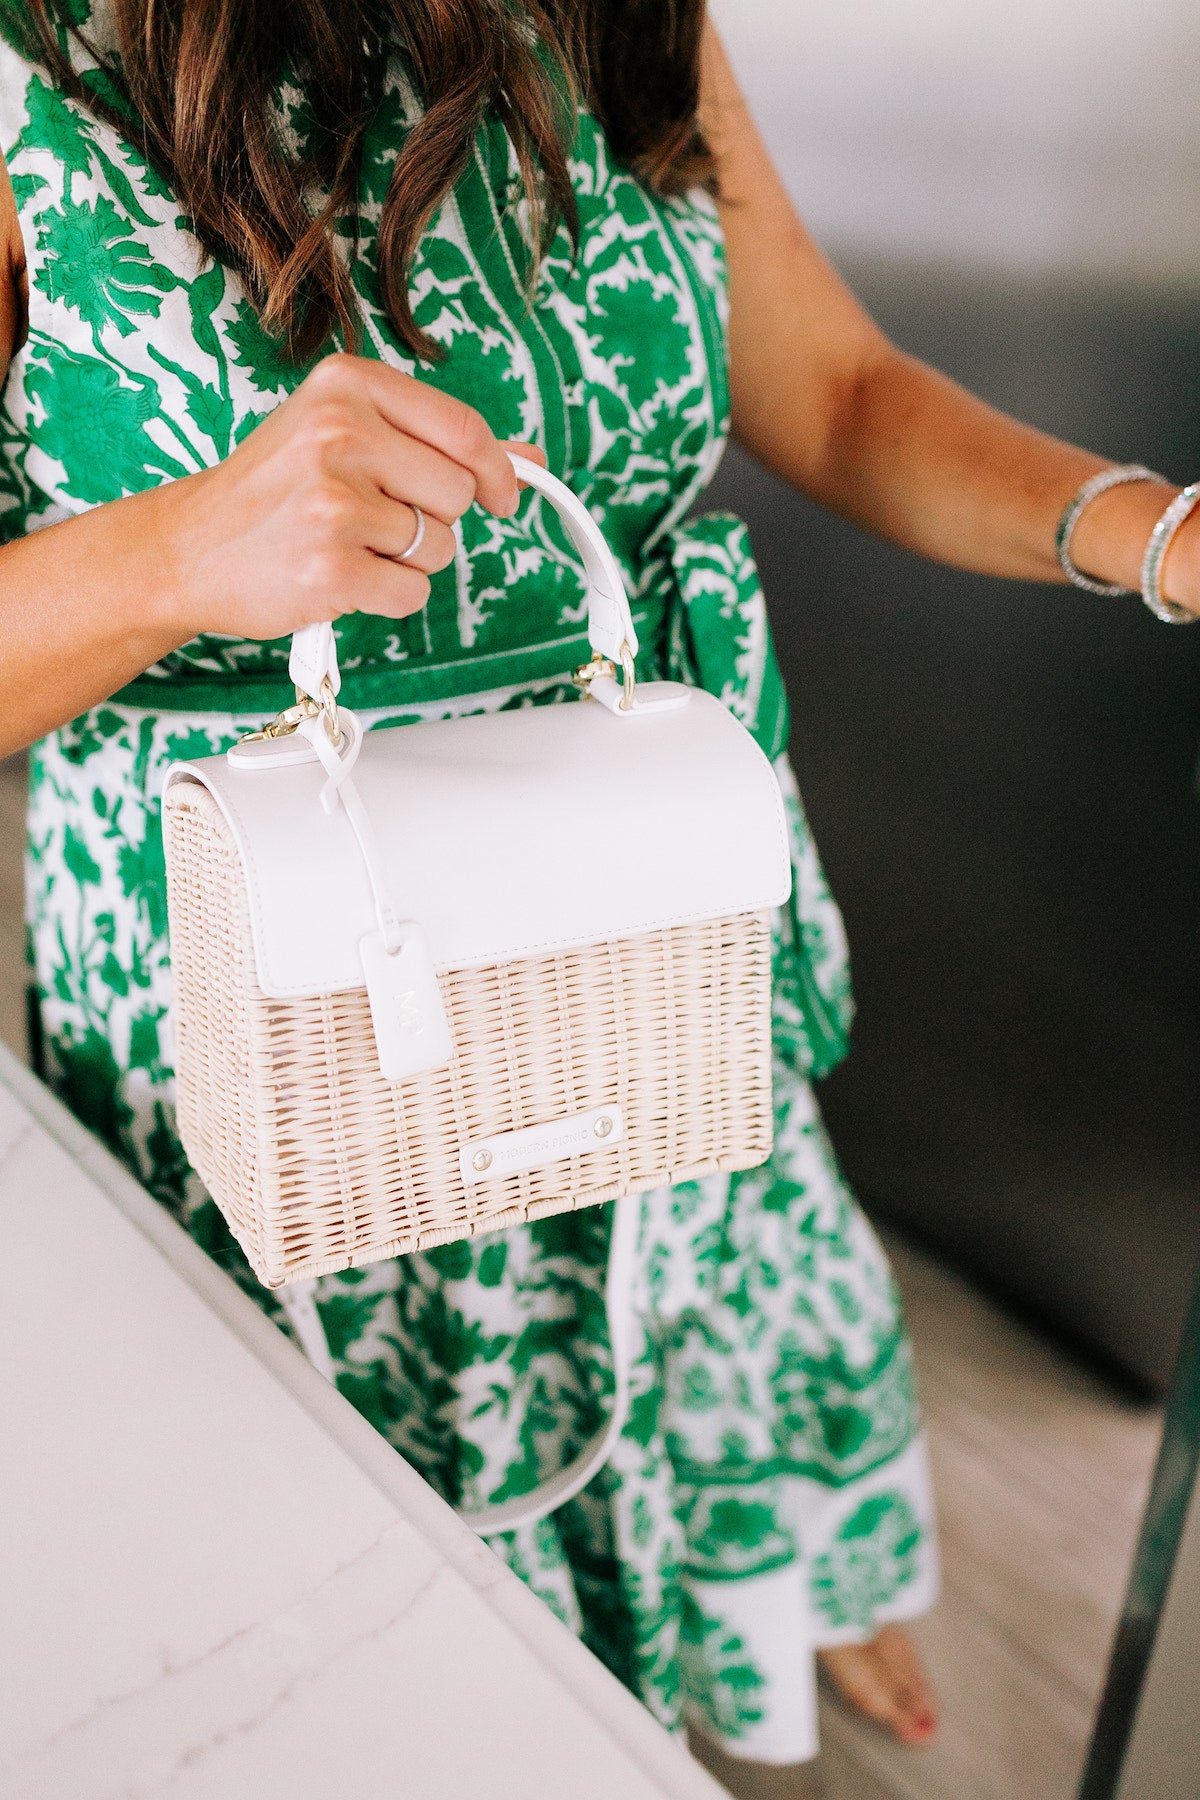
[(1002, 781)]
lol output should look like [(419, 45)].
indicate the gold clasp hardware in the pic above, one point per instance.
[(588, 671), (286, 722), (329, 712), (600, 665)]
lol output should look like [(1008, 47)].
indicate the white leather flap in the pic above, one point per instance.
[(507, 834)]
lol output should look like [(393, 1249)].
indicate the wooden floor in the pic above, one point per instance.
[(1041, 1475)]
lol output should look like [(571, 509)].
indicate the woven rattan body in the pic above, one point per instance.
[(318, 1163)]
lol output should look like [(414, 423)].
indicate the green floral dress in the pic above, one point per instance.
[(770, 1491)]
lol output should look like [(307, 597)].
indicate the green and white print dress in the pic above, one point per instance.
[(770, 1492)]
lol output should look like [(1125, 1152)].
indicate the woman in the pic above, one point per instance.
[(207, 199)]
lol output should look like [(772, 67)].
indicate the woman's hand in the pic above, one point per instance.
[(306, 519), (303, 522)]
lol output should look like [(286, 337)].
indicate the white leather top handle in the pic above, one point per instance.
[(610, 622)]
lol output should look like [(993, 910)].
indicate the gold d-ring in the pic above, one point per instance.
[(329, 713), (630, 680)]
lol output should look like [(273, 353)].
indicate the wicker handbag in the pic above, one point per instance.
[(464, 974)]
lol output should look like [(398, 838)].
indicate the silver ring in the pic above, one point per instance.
[(418, 535)]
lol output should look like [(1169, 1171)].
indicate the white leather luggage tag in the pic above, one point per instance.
[(411, 1033)]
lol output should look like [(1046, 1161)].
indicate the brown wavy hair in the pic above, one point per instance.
[(193, 82)]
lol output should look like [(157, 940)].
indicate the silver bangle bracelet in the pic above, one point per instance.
[(1091, 490), (1161, 538)]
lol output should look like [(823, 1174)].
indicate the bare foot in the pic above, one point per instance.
[(885, 1680)]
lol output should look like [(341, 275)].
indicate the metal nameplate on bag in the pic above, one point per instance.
[(411, 1032), (513, 1152)]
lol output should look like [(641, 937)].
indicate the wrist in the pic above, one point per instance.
[(1110, 537), (172, 610)]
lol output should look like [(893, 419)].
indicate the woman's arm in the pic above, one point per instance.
[(302, 522), (81, 604), (823, 399), (14, 280)]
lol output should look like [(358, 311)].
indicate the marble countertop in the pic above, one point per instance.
[(217, 1580)]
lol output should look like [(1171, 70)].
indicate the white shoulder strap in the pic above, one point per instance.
[(298, 1302), (510, 1515)]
